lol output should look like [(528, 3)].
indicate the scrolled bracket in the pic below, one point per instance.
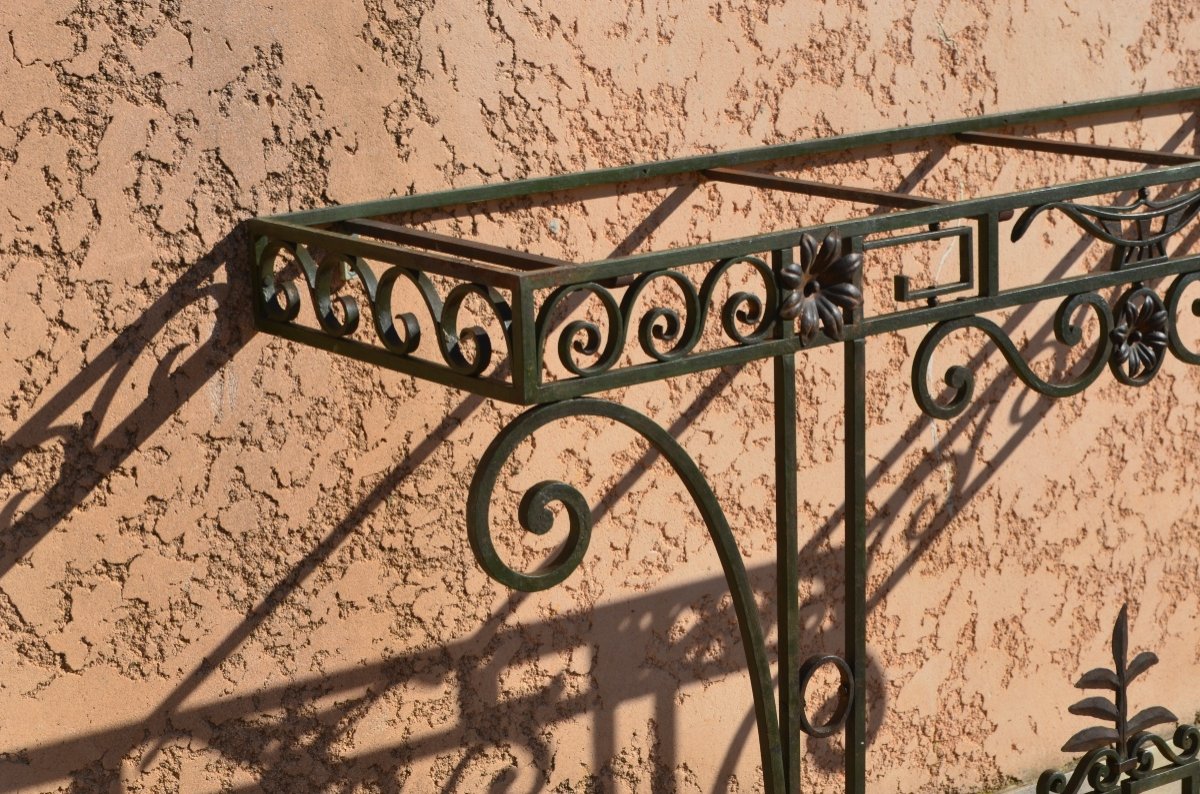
[(961, 380), (534, 516)]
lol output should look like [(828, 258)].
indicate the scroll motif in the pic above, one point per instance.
[(535, 516), (1135, 335), (1108, 223), (663, 334), (338, 314), (961, 380)]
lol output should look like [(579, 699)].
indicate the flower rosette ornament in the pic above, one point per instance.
[(821, 288), (1139, 338)]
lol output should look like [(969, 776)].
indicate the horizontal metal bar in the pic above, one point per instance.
[(1019, 296), (761, 154), (893, 221), (644, 373), (1073, 148), (861, 195), (426, 261), (915, 237), (443, 243), (894, 321), (377, 356)]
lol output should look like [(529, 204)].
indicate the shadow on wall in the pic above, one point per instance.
[(89, 459), (290, 735)]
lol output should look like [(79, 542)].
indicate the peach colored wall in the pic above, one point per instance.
[(230, 563)]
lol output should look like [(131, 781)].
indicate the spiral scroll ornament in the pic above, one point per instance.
[(1183, 748), (535, 516), (468, 350), (584, 337), (663, 335), (743, 307), (277, 300)]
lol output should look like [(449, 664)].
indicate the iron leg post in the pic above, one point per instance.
[(856, 562), (786, 577)]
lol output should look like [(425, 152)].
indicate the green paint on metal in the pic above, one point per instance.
[(534, 516), (855, 620), (761, 154), (822, 297), (787, 551)]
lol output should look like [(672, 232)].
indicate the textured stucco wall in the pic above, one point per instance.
[(229, 563)]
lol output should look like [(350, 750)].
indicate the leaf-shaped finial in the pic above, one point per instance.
[(1120, 641), (1119, 750), (1102, 708)]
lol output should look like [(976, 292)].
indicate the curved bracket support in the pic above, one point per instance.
[(535, 517)]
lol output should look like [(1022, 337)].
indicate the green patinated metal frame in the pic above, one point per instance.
[(524, 289)]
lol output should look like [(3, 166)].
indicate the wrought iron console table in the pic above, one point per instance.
[(808, 293)]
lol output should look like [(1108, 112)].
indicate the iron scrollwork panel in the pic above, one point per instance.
[(1134, 337), (821, 293), (1105, 223), (662, 333), (467, 351)]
